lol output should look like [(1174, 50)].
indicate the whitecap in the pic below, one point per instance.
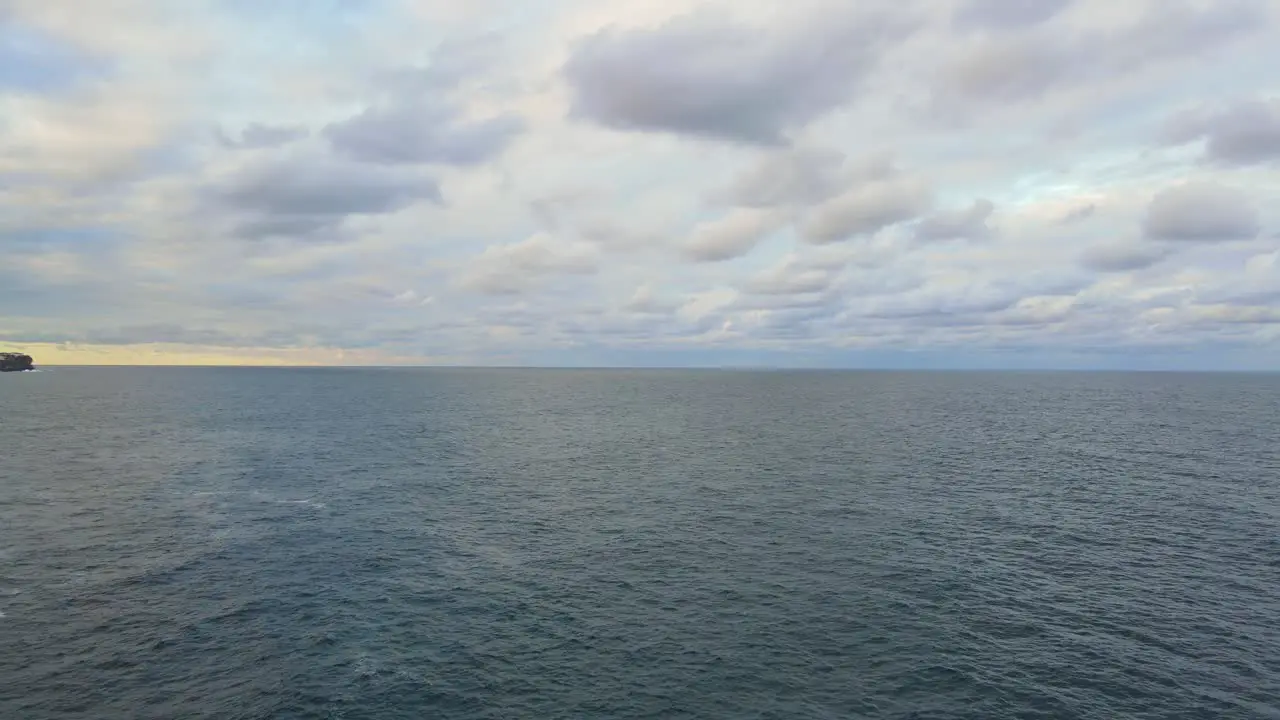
[(306, 502)]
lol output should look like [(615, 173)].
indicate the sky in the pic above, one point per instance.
[(816, 183)]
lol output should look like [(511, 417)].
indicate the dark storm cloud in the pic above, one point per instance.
[(706, 76), (967, 224), (256, 136), (292, 196), (1007, 14), (1245, 133), (1200, 212)]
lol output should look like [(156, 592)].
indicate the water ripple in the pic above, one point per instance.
[(495, 544)]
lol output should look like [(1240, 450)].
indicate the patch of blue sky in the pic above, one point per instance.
[(32, 61), (81, 240)]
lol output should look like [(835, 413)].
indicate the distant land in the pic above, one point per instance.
[(15, 362)]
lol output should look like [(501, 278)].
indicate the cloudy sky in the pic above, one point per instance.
[(921, 183)]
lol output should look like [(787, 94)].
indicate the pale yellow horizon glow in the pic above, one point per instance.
[(162, 354)]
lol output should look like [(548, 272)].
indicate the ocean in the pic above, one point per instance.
[(446, 543)]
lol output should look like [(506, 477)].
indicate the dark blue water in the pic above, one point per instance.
[(250, 543)]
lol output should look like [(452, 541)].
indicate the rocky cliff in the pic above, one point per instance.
[(13, 362)]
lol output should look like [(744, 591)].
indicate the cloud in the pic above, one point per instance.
[(98, 133), (646, 301), (291, 195), (1079, 214), (867, 208), (1008, 69), (1122, 257), (799, 176), (730, 236), (611, 237), (791, 278), (1006, 14), (256, 136), (1243, 133), (967, 224), (514, 268), (416, 116), (706, 75), (422, 131), (1013, 68), (33, 60), (1201, 212)]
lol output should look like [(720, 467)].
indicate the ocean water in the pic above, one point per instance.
[(340, 543)]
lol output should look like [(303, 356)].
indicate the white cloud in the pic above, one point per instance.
[(514, 267), (731, 236), (866, 209)]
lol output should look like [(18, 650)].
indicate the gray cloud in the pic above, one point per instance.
[(422, 131), (945, 310), (256, 136), (645, 301), (615, 238), (793, 176), (1122, 257), (153, 333), (1006, 14), (414, 119), (1021, 67), (808, 281), (1079, 214), (550, 209), (1245, 133), (866, 209), (967, 224), (703, 75), (1200, 212), (1007, 69), (300, 196), (1176, 28), (288, 225), (791, 279), (518, 267), (1032, 298)]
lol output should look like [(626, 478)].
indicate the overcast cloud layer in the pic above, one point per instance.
[(968, 183)]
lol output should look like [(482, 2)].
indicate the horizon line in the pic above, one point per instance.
[(728, 368)]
